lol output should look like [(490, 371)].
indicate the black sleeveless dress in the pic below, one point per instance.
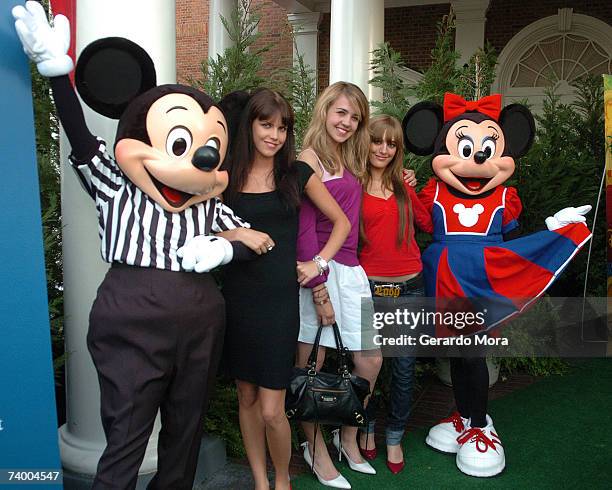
[(262, 295)]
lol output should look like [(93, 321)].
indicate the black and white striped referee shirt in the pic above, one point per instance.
[(135, 229)]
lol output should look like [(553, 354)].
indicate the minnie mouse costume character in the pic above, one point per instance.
[(155, 330), (474, 145)]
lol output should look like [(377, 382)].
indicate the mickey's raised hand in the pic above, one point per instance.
[(45, 45)]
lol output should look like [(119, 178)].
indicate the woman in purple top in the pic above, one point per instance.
[(336, 148)]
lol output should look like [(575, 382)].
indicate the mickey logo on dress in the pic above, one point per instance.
[(468, 217)]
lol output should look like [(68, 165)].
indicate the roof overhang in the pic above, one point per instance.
[(301, 6)]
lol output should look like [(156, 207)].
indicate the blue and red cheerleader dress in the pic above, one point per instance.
[(470, 267)]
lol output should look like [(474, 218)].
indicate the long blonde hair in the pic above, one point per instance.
[(354, 151), (388, 128)]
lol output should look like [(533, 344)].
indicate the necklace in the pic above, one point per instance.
[(377, 189), (260, 182)]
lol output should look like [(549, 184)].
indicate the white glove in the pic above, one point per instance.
[(567, 216), (45, 45), (204, 252)]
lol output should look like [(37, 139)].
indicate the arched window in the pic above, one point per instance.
[(553, 51)]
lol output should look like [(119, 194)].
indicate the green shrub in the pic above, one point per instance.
[(564, 168), (47, 155), (298, 85), (222, 417), (238, 67)]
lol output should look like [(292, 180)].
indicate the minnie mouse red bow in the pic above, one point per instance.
[(454, 106)]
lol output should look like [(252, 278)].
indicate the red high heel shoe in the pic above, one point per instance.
[(395, 468), (368, 454)]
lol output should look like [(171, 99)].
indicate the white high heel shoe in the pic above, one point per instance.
[(364, 467), (338, 482)]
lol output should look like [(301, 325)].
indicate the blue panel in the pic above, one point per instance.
[(28, 427)]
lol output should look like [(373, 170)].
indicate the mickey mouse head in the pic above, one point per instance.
[(171, 139), (474, 144)]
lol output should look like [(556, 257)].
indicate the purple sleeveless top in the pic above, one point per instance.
[(315, 228)]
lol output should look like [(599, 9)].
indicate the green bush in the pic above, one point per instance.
[(298, 84), (238, 67), (222, 417), (564, 168), (47, 155)]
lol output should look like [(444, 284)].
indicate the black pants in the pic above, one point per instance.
[(155, 338)]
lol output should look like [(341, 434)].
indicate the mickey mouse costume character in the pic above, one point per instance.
[(155, 330), (474, 146)]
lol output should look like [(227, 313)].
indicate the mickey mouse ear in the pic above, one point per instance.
[(421, 126), (232, 106), (111, 72)]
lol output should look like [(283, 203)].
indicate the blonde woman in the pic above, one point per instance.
[(336, 148)]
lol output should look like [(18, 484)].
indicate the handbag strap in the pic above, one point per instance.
[(312, 358), (342, 352), (340, 349)]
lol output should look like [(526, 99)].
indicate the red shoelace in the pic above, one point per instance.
[(483, 443), (456, 421)]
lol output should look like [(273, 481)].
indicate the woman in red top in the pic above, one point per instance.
[(392, 262)]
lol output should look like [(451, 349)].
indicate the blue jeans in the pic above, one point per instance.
[(402, 378)]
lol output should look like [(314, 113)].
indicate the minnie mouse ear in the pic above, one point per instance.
[(519, 128), (421, 125), (111, 72)]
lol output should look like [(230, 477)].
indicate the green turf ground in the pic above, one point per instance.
[(557, 433)]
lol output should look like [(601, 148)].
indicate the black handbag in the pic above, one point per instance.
[(327, 398)]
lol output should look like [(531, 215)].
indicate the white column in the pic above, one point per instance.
[(306, 33), (81, 439), (357, 28), (218, 39), (470, 20)]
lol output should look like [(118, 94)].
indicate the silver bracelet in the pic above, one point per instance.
[(322, 264)]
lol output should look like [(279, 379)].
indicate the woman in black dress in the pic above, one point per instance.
[(266, 186)]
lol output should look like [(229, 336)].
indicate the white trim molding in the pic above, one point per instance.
[(564, 28), (410, 76)]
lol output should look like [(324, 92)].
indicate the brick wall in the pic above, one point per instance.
[(505, 18), (275, 30), (191, 37), (412, 32), (323, 54)]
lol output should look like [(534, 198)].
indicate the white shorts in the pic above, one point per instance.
[(350, 295)]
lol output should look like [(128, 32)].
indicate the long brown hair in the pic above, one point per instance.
[(264, 104), (389, 129), (354, 151)]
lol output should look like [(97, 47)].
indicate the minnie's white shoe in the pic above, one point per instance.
[(338, 482), (364, 467), (443, 437), (481, 452)]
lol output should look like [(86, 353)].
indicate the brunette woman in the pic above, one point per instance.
[(267, 186)]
